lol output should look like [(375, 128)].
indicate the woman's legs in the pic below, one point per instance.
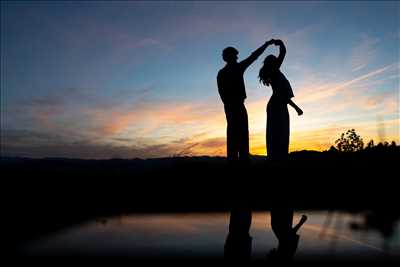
[(278, 131)]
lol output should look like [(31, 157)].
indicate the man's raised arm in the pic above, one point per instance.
[(253, 57)]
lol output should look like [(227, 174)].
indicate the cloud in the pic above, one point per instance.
[(363, 53), (215, 142), (27, 143), (82, 124), (150, 116), (40, 144), (319, 92)]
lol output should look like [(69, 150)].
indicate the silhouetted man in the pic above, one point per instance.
[(238, 242), (233, 93)]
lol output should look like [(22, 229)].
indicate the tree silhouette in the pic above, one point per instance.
[(370, 144), (333, 149), (349, 141)]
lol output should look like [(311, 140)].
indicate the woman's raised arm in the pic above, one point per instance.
[(282, 52)]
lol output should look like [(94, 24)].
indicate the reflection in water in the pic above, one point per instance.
[(238, 242), (288, 239), (207, 234)]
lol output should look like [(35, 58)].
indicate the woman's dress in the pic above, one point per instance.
[(278, 128)]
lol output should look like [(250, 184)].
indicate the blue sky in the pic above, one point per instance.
[(137, 79)]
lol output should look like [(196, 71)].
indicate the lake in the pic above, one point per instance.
[(196, 235)]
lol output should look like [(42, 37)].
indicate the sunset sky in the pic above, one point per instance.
[(138, 79)]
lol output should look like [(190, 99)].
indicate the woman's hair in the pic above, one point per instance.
[(267, 70)]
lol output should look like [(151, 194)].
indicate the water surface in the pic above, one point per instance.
[(203, 235)]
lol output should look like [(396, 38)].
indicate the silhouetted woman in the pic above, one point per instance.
[(288, 239), (277, 112), (278, 147)]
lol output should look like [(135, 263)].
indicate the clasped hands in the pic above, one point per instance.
[(274, 42)]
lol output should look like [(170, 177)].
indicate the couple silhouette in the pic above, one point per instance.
[(231, 88), (232, 91)]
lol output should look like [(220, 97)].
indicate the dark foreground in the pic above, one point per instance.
[(44, 195)]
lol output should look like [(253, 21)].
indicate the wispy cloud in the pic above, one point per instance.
[(364, 52), (29, 143), (316, 93)]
